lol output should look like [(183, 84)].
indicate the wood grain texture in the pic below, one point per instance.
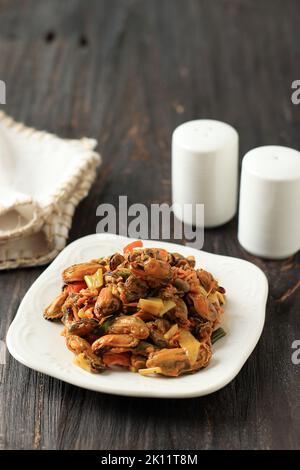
[(128, 72)]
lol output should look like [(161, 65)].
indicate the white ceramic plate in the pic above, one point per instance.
[(37, 343)]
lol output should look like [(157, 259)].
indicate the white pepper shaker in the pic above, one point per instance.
[(269, 213), (205, 171)]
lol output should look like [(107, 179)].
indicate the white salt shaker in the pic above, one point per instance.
[(269, 213), (205, 170)]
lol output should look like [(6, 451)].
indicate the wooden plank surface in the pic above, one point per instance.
[(127, 73)]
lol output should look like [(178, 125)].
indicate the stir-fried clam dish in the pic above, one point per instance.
[(147, 310)]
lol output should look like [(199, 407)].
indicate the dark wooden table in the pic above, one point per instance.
[(127, 73)]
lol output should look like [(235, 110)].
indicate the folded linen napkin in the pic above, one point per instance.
[(42, 179)]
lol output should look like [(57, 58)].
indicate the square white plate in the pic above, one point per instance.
[(37, 343)]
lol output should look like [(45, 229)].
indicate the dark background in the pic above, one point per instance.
[(127, 73)]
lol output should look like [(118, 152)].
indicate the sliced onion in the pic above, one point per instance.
[(95, 280), (152, 305), (150, 370), (190, 345), (167, 305), (171, 332)]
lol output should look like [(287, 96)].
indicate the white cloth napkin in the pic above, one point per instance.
[(42, 179)]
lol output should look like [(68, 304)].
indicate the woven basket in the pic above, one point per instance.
[(36, 210)]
